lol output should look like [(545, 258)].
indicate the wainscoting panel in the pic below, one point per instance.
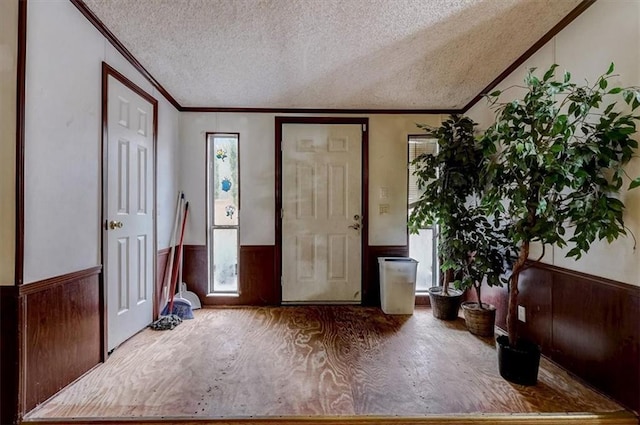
[(194, 271), (596, 333), (371, 272), (536, 287), (258, 282), (258, 285), (587, 324), (9, 354), (62, 332)]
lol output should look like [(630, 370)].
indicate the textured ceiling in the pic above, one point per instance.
[(346, 54)]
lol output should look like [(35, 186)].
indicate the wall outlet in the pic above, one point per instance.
[(383, 208), (522, 314)]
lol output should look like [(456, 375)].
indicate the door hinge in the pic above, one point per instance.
[(281, 281), (364, 127), (281, 213)]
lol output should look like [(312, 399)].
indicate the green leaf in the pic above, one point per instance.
[(575, 252), (615, 90), (550, 71), (610, 70), (609, 108), (557, 148), (495, 93), (635, 183), (603, 84), (628, 96)]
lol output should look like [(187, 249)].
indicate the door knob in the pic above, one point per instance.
[(355, 226), (115, 224)]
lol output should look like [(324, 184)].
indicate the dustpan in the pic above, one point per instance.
[(190, 296), (183, 294)]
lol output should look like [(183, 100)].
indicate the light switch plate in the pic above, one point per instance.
[(522, 314)]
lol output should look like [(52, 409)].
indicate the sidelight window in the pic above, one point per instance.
[(422, 246), (223, 210)]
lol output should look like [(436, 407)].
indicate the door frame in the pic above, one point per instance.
[(364, 123), (108, 71)]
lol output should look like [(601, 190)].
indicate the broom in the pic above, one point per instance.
[(177, 309), (180, 306), (166, 281)]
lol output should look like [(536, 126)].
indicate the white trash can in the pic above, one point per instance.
[(397, 284)]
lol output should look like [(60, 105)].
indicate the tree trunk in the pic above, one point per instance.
[(478, 287), (448, 277), (512, 312)]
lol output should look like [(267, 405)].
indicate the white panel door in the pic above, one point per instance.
[(129, 213), (321, 212)]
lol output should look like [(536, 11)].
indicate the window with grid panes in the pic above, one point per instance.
[(223, 206)]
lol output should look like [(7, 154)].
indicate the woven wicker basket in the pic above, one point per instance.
[(479, 322)]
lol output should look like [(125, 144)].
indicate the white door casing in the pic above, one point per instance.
[(129, 254), (321, 213)]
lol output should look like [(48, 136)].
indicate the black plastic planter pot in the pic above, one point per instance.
[(518, 364), (443, 306)]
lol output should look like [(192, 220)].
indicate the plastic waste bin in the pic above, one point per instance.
[(397, 284)]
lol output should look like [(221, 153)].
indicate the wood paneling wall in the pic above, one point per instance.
[(194, 271), (258, 280), (258, 284), (9, 354), (587, 324), (62, 336)]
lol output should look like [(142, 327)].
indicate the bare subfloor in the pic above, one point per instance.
[(312, 361)]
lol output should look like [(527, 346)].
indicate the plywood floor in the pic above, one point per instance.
[(311, 361)]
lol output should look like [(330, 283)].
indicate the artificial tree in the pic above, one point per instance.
[(488, 256), (448, 179), (559, 156)]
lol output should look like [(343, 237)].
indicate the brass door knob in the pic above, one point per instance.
[(115, 224)]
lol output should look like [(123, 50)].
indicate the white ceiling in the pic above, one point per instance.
[(344, 54)]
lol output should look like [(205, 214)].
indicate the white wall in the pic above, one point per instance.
[(388, 154), (609, 31), (257, 173), (387, 168), (63, 141), (8, 69)]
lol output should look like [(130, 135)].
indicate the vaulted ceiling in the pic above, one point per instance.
[(328, 54)]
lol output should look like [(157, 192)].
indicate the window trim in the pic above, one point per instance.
[(210, 226)]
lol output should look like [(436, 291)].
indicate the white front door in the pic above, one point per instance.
[(129, 260), (321, 212)]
